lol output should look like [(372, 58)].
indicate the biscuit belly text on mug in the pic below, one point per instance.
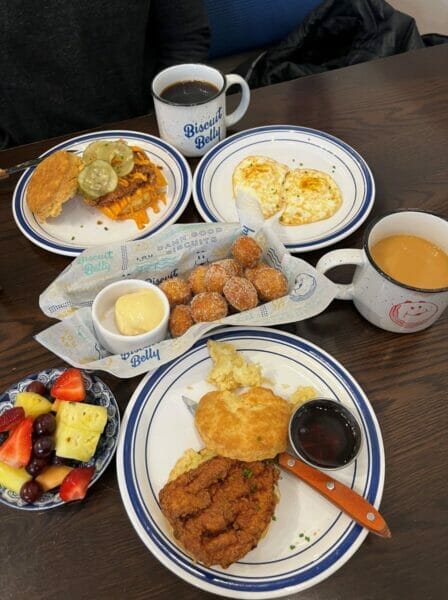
[(205, 131)]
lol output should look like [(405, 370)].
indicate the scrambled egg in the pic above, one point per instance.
[(190, 460), (230, 369), (302, 394)]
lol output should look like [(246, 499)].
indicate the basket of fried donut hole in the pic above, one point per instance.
[(212, 291)]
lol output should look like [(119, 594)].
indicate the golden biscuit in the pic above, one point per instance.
[(54, 181), (250, 426)]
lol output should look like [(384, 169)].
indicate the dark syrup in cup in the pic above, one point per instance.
[(325, 434)]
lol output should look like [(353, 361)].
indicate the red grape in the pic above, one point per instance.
[(44, 424), (36, 464), (43, 446), (37, 387), (31, 491)]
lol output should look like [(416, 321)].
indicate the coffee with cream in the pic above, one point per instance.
[(412, 261)]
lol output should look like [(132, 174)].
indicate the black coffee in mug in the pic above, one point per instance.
[(189, 92)]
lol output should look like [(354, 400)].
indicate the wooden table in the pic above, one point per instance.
[(394, 112)]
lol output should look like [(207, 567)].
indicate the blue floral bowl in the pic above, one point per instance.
[(97, 393)]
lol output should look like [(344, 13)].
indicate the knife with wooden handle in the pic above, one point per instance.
[(347, 500)]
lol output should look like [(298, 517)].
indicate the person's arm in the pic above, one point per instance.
[(181, 31)]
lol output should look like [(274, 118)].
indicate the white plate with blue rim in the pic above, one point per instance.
[(309, 539), (97, 393), (298, 148), (80, 226)]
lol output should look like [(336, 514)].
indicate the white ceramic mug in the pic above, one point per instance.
[(195, 128), (378, 297)]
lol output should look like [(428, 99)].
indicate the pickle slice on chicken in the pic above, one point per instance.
[(123, 159), (116, 153), (97, 178)]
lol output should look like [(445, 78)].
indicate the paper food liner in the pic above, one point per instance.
[(174, 251)]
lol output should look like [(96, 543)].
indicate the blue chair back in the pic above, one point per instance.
[(239, 25)]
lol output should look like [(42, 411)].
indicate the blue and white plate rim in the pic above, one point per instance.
[(355, 222), (52, 373), (208, 579), (171, 216)]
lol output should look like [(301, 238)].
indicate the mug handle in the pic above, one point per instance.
[(240, 111), (336, 258)]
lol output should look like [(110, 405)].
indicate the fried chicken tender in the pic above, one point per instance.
[(208, 306), (196, 279), (220, 510), (240, 293), (270, 284), (180, 320), (177, 290), (246, 251)]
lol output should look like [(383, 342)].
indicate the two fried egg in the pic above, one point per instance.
[(303, 195)]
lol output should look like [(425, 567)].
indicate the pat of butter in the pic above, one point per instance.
[(138, 312)]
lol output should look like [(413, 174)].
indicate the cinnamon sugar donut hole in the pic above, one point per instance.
[(250, 273), (177, 290), (233, 268), (180, 320), (196, 279), (208, 306), (216, 277), (246, 251), (270, 284), (240, 294)]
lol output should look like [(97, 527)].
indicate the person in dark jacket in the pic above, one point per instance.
[(67, 66)]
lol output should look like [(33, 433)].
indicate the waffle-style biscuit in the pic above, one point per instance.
[(248, 427)]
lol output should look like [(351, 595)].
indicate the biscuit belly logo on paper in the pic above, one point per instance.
[(204, 132)]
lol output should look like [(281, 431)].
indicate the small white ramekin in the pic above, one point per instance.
[(104, 303)]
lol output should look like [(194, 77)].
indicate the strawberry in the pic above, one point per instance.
[(69, 386), (75, 484), (10, 418), (16, 450)]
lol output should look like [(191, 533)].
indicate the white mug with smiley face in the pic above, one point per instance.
[(379, 298)]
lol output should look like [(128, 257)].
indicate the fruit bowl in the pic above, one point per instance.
[(98, 393)]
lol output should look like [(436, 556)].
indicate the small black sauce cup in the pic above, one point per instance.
[(325, 434)]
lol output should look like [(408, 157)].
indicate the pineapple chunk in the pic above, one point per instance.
[(56, 404), (78, 444), (53, 476), (81, 416), (13, 478), (33, 404)]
